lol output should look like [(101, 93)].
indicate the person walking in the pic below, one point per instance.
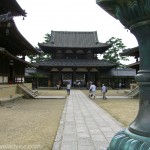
[(68, 88), (79, 84), (120, 85), (74, 84), (92, 90), (104, 90)]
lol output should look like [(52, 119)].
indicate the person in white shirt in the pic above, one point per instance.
[(79, 84), (68, 88), (104, 90), (92, 90)]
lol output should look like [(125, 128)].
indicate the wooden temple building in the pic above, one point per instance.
[(13, 46), (74, 59), (133, 52)]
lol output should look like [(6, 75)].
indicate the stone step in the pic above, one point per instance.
[(28, 91)]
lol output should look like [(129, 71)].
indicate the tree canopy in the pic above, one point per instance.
[(112, 54), (47, 38), (39, 58), (43, 56)]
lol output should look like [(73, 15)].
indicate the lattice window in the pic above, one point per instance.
[(67, 76), (80, 77)]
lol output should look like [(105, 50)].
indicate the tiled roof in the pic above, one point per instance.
[(5, 17), (131, 51), (70, 39), (76, 63), (19, 60), (14, 41), (11, 6), (126, 72), (134, 64)]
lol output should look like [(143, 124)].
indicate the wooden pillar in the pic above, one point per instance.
[(50, 79), (98, 78), (60, 77), (89, 75), (74, 76), (11, 71)]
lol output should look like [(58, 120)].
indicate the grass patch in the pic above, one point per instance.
[(124, 110)]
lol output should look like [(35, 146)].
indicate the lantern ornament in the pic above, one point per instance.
[(135, 16)]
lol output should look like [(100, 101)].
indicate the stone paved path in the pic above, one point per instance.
[(49, 97), (84, 125)]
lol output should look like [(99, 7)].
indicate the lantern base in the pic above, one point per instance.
[(125, 140)]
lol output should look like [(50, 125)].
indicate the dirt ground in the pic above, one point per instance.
[(53, 92), (30, 124)]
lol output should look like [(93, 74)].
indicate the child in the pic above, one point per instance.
[(68, 88)]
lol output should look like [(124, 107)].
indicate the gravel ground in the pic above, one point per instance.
[(30, 124)]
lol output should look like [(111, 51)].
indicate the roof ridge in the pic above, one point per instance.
[(75, 31)]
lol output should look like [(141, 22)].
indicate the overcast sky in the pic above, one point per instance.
[(69, 15)]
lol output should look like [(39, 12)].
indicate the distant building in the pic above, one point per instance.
[(125, 76), (74, 59), (134, 52)]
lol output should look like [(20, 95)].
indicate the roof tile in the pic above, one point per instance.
[(74, 40), (76, 63)]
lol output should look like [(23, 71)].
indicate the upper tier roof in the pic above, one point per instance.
[(11, 6), (73, 40)]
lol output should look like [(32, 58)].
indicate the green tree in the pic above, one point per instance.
[(42, 56), (112, 54), (39, 58), (47, 37)]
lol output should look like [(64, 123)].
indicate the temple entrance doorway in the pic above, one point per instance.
[(80, 80), (72, 78), (66, 77)]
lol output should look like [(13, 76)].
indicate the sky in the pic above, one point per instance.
[(43, 16)]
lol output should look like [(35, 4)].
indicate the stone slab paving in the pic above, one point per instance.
[(50, 97), (84, 125)]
